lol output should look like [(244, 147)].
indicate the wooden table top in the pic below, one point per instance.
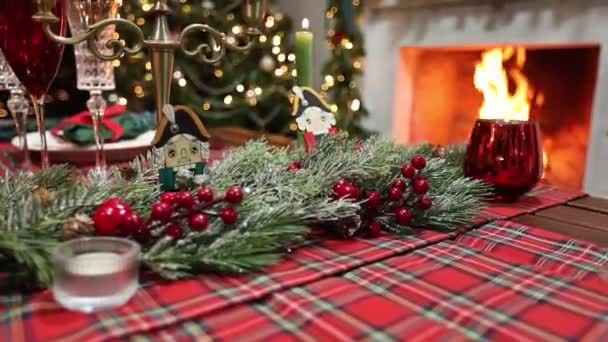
[(583, 219)]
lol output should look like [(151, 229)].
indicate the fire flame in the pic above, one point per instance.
[(492, 80)]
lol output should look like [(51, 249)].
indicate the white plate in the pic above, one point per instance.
[(65, 151)]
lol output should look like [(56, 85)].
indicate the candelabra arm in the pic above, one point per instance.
[(221, 41), (118, 46)]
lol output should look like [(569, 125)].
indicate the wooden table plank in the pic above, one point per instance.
[(568, 229), (591, 203), (581, 217)]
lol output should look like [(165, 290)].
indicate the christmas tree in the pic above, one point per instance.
[(249, 90)]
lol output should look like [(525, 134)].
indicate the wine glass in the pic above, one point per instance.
[(19, 107), (33, 57), (93, 74)]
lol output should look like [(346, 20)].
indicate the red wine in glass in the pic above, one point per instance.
[(33, 57)]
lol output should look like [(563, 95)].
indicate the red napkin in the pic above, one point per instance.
[(85, 119)]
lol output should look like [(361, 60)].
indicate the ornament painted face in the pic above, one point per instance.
[(184, 151), (316, 121)]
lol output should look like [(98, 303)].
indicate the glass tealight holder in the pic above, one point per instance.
[(93, 274)]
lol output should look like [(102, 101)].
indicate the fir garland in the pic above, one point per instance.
[(279, 206)]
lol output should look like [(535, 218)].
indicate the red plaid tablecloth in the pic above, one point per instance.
[(502, 282), (200, 306)]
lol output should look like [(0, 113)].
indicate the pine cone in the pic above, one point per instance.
[(43, 196), (77, 226)]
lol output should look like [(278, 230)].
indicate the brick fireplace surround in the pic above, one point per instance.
[(391, 25)]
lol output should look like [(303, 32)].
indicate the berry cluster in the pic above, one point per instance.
[(405, 194), (169, 215)]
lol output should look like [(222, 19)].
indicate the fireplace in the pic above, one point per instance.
[(429, 58), (558, 83)]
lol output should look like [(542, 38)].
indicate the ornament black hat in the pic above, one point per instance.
[(308, 97), (186, 122)]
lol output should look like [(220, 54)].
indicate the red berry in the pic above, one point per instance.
[(161, 212), (352, 192), (205, 195), (341, 190), (419, 162), (174, 231), (229, 215), (295, 166), (199, 222), (185, 199), (234, 195), (421, 186), (142, 234), (399, 183), (403, 216), (374, 200), (374, 229), (132, 223), (395, 194), (109, 217), (342, 182), (169, 198), (425, 203), (408, 171)]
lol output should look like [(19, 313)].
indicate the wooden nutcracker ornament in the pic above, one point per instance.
[(313, 116), (181, 143)]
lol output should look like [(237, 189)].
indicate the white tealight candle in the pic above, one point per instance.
[(95, 273), (92, 264)]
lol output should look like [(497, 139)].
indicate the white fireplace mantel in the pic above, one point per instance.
[(388, 29)]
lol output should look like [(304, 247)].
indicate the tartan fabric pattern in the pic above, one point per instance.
[(466, 289), (159, 305), (178, 306), (541, 197)]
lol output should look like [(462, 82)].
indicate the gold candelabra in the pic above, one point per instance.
[(161, 44)]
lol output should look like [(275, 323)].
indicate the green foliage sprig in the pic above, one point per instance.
[(278, 209)]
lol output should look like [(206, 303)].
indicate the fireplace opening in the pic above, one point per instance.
[(440, 95)]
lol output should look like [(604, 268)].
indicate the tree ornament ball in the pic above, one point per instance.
[(234, 195), (421, 186), (174, 231), (374, 229), (161, 212), (425, 203), (408, 171), (374, 200), (205, 195), (399, 183), (229, 215), (185, 199), (109, 217), (419, 162), (395, 194), (403, 216), (199, 222), (267, 63)]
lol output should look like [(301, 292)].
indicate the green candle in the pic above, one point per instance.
[(304, 43)]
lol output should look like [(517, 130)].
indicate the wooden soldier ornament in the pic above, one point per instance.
[(181, 143), (313, 116)]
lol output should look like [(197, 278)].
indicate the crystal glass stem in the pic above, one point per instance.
[(19, 107), (97, 106), (38, 105)]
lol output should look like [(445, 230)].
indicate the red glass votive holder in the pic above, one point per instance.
[(507, 155)]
